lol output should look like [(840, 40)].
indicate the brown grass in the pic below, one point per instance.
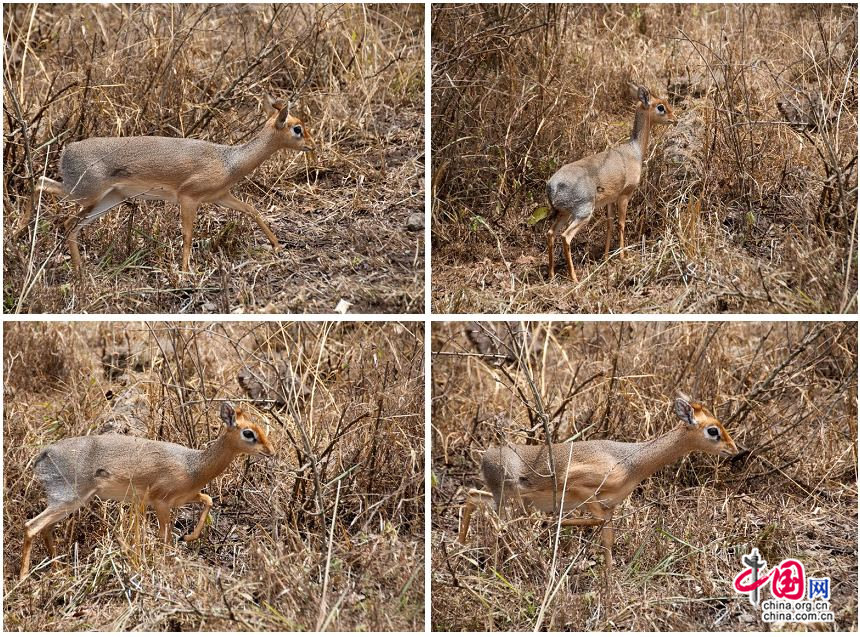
[(748, 205), (355, 74), (277, 554), (787, 393)]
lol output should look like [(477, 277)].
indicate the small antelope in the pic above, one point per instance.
[(600, 473), (576, 190), (102, 172), (163, 475)]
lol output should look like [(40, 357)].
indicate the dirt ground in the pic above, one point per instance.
[(350, 219), (326, 535), (748, 204), (785, 392)]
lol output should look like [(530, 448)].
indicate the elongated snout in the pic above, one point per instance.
[(729, 453), (268, 450), (310, 145), (311, 149), (728, 448)]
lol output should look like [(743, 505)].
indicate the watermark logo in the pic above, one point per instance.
[(795, 598)]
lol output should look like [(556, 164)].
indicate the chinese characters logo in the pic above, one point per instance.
[(793, 599)]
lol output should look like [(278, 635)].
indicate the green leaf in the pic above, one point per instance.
[(538, 214)]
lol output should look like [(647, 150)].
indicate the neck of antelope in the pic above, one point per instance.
[(641, 128), (656, 454), (212, 461), (251, 154)]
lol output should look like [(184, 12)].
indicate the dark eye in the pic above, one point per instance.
[(660, 108), (297, 130), (249, 435), (713, 432)]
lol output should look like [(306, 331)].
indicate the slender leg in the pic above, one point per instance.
[(607, 536), (567, 236), (581, 522), (48, 538), (89, 214), (473, 499), (25, 557), (229, 201), (188, 209), (29, 211), (550, 248), (162, 512), (55, 512), (623, 200), (558, 223), (74, 225), (207, 504), (609, 227)]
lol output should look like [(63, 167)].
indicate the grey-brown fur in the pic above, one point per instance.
[(594, 474), (160, 474), (577, 189), (102, 172)]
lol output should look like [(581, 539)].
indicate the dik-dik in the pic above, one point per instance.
[(162, 475), (102, 172), (609, 178), (595, 474)]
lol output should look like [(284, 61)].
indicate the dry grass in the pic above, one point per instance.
[(355, 74), (785, 391), (277, 554), (748, 205)]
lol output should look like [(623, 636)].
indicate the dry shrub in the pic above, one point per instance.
[(741, 207), (354, 74), (328, 534), (787, 393), (39, 354)]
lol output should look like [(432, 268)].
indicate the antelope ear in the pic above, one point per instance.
[(270, 105), (633, 90), (228, 415), (282, 116), (643, 96), (684, 411)]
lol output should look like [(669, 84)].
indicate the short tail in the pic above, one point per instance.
[(46, 185), (49, 185)]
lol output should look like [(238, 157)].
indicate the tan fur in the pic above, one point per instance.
[(102, 172), (162, 475), (595, 474), (609, 178)]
